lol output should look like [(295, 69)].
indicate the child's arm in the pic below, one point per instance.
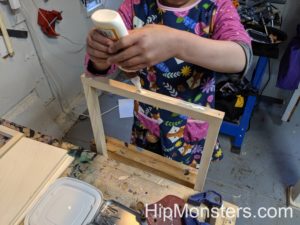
[(216, 55), (230, 50), (155, 43)]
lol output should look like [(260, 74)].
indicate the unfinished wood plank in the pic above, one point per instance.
[(151, 162), (207, 153), (130, 185), (25, 171), (155, 99), (14, 137), (95, 117)]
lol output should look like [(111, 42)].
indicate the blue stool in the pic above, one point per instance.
[(238, 131)]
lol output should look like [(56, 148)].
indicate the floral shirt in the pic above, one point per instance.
[(177, 136)]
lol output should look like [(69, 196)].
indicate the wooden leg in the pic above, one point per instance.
[(95, 117), (208, 150)]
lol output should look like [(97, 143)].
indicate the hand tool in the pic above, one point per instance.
[(208, 198)]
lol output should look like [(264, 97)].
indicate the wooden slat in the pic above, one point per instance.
[(162, 101), (211, 140), (151, 162), (25, 171), (14, 137), (95, 115)]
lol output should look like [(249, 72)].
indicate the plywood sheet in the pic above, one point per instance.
[(25, 171)]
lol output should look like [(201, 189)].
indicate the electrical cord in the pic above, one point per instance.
[(102, 114)]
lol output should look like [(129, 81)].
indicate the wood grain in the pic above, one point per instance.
[(151, 162), (95, 115), (162, 101), (129, 185), (25, 171)]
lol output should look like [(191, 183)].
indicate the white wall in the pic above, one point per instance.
[(25, 96)]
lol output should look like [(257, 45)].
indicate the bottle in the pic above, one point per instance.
[(111, 25)]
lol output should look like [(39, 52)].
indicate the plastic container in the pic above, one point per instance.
[(66, 202)]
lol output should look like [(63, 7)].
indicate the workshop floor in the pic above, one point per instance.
[(268, 164)]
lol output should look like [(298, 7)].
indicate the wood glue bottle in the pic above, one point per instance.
[(111, 25)]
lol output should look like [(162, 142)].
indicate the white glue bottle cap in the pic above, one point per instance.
[(109, 21)]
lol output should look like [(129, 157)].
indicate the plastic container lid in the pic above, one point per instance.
[(66, 202)]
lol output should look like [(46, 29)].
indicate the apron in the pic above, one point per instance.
[(172, 135)]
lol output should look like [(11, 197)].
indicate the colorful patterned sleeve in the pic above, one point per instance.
[(126, 12), (227, 26)]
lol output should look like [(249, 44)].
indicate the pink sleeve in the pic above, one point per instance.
[(126, 12), (227, 24)]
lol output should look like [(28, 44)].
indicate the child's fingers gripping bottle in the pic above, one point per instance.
[(111, 25)]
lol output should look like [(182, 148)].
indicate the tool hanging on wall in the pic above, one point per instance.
[(6, 38), (47, 20), (16, 33)]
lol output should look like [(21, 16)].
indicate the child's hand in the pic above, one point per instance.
[(97, 48), (144, 47)]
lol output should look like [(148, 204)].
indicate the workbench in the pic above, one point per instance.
[(121, 182)]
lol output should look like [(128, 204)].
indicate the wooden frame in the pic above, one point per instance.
[(14, 136), (213, 117)]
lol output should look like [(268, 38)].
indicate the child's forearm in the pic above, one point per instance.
[(219, 56)]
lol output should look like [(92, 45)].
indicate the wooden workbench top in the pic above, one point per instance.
[(130, 185), (127, 184)]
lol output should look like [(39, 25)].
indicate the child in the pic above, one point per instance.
[(177, 46)]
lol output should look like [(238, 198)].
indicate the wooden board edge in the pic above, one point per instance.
[(15, 137), (144, 160), (152, 98)]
